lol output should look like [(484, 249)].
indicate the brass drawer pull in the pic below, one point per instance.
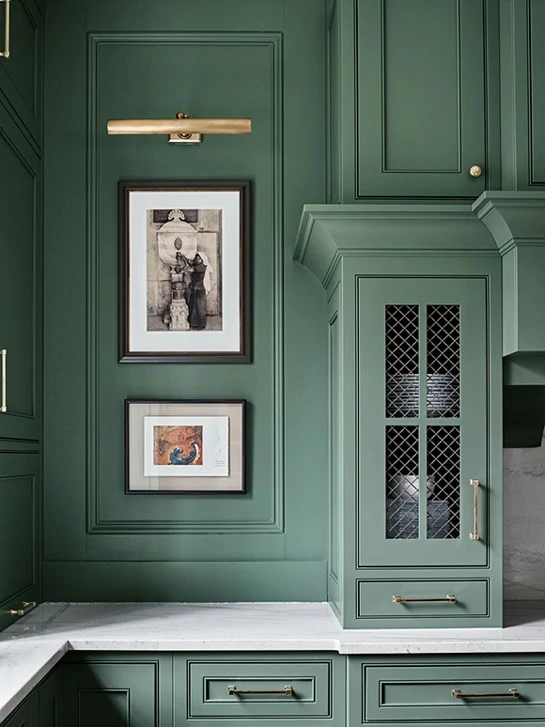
[(286, 691), (4, 355), (447, 599), (475, 534), (512, 693), (5, 52), (26, 607)]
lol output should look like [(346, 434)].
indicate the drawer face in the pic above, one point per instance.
[(419, 693), (376, 599), (209, 684)]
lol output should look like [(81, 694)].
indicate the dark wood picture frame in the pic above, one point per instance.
[(242, 353), (135, 413)]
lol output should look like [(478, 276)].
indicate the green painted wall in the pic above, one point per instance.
[(259, 58)]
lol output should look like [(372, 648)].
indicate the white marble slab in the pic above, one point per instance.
[(33, 645)]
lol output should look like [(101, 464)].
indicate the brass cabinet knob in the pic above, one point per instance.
[(475, 170)]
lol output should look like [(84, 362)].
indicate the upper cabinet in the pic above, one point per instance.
[(408, 99), (523, 94), (21, 71)]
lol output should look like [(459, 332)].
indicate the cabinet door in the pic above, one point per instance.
[(20, 264), (19, 534), (49, 698), (24, 716), (423, 388), (21, 73), (420, 105), (109, 694)]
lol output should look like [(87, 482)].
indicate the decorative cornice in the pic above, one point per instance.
[(329, 233), (514, 219)]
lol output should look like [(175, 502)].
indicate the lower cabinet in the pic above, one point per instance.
[(471, 690), (19, 534), (255, 689), (118, 691), (41, 708), (301, 689)]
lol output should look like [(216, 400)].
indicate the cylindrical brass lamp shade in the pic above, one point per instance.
[(179, 126)]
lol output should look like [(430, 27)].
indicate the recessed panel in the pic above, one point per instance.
[(421, 66)]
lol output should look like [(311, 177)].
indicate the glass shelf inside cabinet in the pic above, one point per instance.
[(422, 340)]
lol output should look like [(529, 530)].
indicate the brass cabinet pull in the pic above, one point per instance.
[(286, 691), (5, 52), (447, 599), (475, 170), (26, 607), (4, 354), (475, 534), (512, 693)]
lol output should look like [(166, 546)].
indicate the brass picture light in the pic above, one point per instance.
[(182, 129)]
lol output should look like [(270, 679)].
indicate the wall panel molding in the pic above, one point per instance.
[(97, 521)]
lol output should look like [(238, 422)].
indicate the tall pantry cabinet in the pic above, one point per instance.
[(21, 166)]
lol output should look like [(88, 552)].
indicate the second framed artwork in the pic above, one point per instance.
[(184, 447), (184, 283)]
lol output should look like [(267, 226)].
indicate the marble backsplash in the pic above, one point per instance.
[(524, 523)]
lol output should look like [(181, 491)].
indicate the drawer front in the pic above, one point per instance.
[(376, 599), (427, 693), (283, 689)]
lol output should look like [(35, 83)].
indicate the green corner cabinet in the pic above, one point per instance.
[(415, 432), (434, 98), (21, 263)]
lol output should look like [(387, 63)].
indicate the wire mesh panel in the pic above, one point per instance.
[(443, 360), (402, 482), (402, 360), (443, 466)]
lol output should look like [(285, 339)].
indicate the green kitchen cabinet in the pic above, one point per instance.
[(49, 700), (523, 94), (116, 690), (258, 688), (413, 97), (20, 289), (26, 715), (21, 72), (414, 331), (472, 690), (20, 534)]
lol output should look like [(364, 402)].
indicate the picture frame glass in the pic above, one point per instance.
[(184, 286)]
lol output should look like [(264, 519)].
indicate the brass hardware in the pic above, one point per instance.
[(5, 52), (447, 599), (27, 606), (287, 690), (182, 129), (512, 693), (475, 170), (184, 138), (4, 355), (475, 534)]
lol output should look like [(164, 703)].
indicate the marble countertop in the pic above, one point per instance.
[(33, 645)]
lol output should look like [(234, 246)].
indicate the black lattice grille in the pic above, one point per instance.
[(443, 520), (402, 482), (443, 361), (402, 360)]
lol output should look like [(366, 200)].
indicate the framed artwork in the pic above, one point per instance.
[(184, 284), (184, 447)]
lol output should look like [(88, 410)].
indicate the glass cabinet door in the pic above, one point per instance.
[(422, 421)]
